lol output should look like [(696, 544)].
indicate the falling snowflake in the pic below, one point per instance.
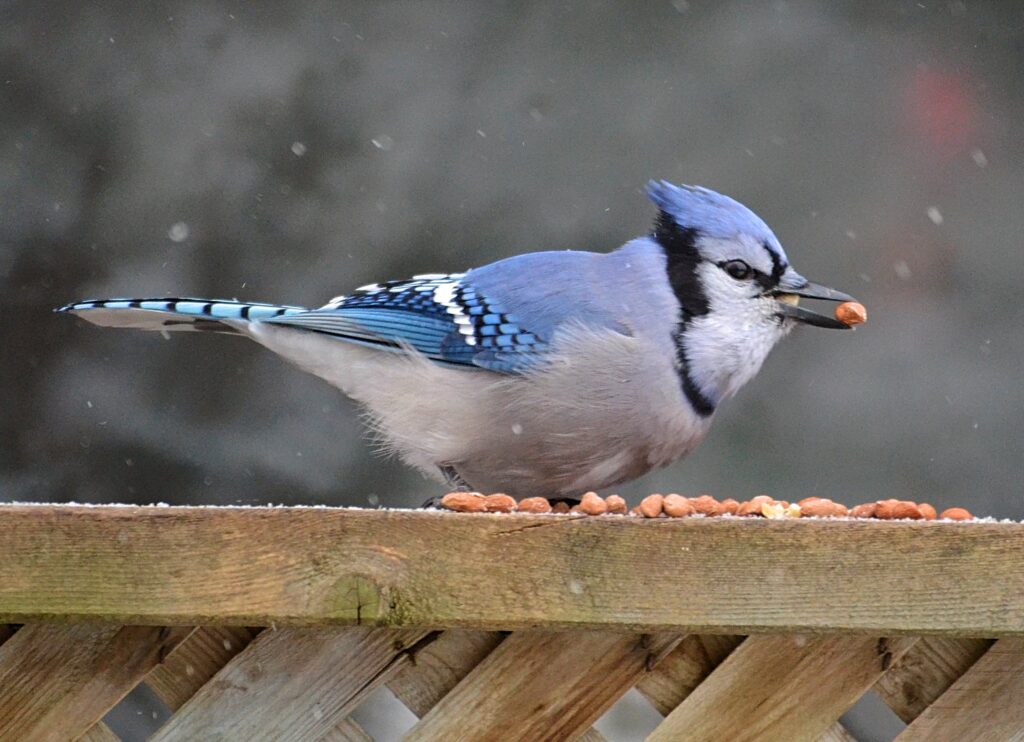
[(178, 232)]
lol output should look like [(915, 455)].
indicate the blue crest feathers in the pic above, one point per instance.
[(711, 213)]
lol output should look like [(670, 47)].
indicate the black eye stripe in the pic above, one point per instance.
[(778, 267)]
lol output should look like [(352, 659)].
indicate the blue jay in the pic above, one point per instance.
[(548, 373)]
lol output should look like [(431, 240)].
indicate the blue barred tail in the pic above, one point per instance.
[(175, 314)]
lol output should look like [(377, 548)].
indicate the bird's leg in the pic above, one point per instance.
[(455, 484)]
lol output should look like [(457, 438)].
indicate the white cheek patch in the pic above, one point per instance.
[(726, 347)]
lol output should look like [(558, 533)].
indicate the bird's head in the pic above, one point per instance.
[(725, 256), (737, 291)]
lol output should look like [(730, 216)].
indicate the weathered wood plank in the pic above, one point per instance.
[(291, 685), (926, 671), (99, 732), (187, 667), (57, 681), (192, 663), (346, 730), (542, 686), (440, 666), (689, 664), (781, 687), (684, 668), (316, 566), (837, 733), (984, 705)]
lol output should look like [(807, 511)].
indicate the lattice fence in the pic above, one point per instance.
[(588, 604)]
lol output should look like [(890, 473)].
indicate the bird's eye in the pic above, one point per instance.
[(737, 269)]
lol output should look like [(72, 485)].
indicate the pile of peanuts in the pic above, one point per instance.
[(678, 506)]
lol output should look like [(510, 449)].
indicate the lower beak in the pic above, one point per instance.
[(787, 300)]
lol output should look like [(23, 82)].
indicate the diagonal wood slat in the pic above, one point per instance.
[(440, 666), (192, 663), (430, 673), (926, 671), (187, 667), (689, 664), (837, 733), (99, 732), (435, 670), (346, 730), (292, 684), (543, 686), (782, 687), (57, 681), (684, 668), (984, 705)]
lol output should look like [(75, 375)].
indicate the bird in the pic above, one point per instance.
[(546, 373)]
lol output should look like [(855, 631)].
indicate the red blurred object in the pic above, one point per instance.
[(944, 112)]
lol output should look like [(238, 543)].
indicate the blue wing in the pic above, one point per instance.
[(441, 316)]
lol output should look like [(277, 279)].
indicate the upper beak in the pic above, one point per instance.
[(788, 296)]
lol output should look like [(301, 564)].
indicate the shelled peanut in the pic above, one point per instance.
[(593, 504), (534, 505), (956, 514), (821, 507), (677, 506), (652, 506), (464, 502), (851, 313), (616, 505), (475, 502)]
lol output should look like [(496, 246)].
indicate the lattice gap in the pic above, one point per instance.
[(631, 719), (871, 720), (138, 716), (383, 716)]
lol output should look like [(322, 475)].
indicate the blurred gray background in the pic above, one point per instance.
[(291, 152)]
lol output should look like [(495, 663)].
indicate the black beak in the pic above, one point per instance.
[(787, 307)]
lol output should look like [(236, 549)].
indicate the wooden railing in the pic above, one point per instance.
[(277, 623)]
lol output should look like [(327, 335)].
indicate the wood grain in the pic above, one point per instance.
[(99, 732), (437, 668), (688, 665), (189, 666), (56, 681), (542, 686), (984, 705), (346, 730), (292, 685), (303, 566), (781, 688), (837, 733), (685, 667), (926, 672)]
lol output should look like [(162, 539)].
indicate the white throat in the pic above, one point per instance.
[(726, 347)]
